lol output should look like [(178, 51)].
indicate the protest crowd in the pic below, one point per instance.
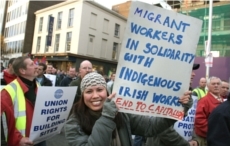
[(96, 116), (101, 117)]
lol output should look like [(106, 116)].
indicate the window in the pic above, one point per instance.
[(40, 24), (71, 14), (17, 12), (16, 29), (38, 44), (59, 19), (90, 45), (57, 38), (117, 30), (216, 24), (23, 27), (23, 9), (22, 45), (46, 47), (68, 40), (12, 30), (226, 24), (13, 14), (9, 18), (13, 47), (103, 47), (93, 21), (16, 47), (115, 48), (6, 32), (26, 8), (20, 11), (8, 50), (19, 44), (106, 26), (19, 28), (48, 22)]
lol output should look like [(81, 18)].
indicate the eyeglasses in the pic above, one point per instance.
[(87, 68)]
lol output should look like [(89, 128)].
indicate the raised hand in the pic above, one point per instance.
[(110, 108), (184, 99)]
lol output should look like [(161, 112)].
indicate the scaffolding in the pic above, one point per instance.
[(220, 25)]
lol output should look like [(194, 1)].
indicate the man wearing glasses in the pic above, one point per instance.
[(85, 68)]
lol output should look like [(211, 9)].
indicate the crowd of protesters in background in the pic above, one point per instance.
[(211, 119)]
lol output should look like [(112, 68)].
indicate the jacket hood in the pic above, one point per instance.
[(8, 77)]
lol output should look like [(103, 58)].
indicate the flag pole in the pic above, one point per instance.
[(208, 49)]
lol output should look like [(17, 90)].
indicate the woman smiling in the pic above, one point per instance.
[(96, 121)]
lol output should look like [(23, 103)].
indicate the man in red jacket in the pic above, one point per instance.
[(8, 114), (8, 74), (23, 90), (204, 108)]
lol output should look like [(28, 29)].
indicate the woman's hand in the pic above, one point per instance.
[(110, 108), (184, 99)]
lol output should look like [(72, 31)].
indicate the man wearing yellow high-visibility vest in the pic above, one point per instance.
[(200, 91), (20, 97)]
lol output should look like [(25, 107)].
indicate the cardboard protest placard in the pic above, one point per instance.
[(155, 62), (186, 126), (52, 108), (52, 78)]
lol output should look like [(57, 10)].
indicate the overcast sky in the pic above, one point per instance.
[(110, 3)]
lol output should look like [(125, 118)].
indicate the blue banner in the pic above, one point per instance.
[(50, 31)]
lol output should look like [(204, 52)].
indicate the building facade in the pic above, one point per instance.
[(81, 30), (19, 26), (122, 8), (220, 46)]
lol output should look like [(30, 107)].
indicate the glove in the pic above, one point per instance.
[(109, 109)]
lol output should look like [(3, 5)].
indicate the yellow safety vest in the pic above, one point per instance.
[(200, 93), (19, 102)]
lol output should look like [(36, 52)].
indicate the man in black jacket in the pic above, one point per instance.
[(41, 78), (69, 78), (219, 125)]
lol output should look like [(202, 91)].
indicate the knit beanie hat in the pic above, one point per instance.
[(92, 79)]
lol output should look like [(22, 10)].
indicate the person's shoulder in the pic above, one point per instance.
[(47, 81), (223, 108), (74, 82), (65, 78), (204, 100), (73, 121), (45, 78)]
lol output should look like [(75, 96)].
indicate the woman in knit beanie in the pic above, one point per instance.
[(97, 122)]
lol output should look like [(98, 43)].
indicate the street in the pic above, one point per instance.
[(57, 140)]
